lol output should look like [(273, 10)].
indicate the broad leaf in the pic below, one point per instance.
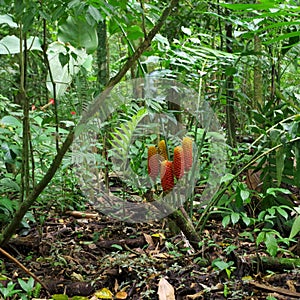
[(7, 19), (295, 228), (79, 34), (271, 243), (10, 44)]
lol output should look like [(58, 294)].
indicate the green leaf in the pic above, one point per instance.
[(186, 30), (260, 238), (282, 212), (271, 244), (244, 195), (26, 286), (134, 32), (247, 7), (60, 297), (10, 121), (227, 177), (6, 19), (94, 12), (10, 44), (274, 191), (226, 221), (119, 247), (7, 203), (79, 34), (235, 217), (63, 58), (221, 265), (246, 220), (122, 137), (283, 37), (295, 228), (280, 157), (230, 71)]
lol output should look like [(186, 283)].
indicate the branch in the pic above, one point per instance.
[(25, 206)]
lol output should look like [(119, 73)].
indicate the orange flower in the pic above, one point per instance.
[(162, 149), (166, 175), (187, 145), (178, 162), (153, 162)]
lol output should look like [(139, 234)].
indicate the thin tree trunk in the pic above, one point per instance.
[(230, 111), (258, 100), (103, 77), (25, 178)]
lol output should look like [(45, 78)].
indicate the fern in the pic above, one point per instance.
[(122, 138)]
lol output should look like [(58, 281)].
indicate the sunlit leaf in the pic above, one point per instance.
[(186, 30), (295, 228), (226, 221), (10, 44), (282, 212), (116, 246), (6, 19), (235, 217), (274, 191), (104, 294), (60, 297)]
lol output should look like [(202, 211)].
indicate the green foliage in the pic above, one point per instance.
[(9, 290), (220, 265), (79, 33)]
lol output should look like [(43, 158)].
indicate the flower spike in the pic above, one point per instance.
[(187, 145), (178, 162), (153, 162), (162, 149), (166, 175)]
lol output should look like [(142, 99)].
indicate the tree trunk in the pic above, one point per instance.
[(230, 111)]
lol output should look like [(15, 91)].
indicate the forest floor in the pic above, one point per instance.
[(88, 254)]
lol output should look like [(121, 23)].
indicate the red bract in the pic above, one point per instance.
[(51, 101), (166, 175), (178, 162), (187, 145), (153, 162), (73, 113)]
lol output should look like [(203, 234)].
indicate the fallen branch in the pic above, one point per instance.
[(276, 263), (275, 289)]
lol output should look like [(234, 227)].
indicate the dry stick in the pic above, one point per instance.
[(19, 264), (271, 288), (25, 206)]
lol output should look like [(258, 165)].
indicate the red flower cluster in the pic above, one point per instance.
[(158, 161)]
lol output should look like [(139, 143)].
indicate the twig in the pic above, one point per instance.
[(21, 266)]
